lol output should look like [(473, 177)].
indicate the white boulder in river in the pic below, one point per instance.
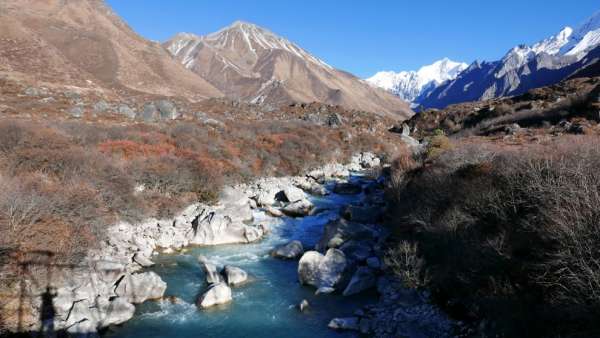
[(293, 249), (234, 275), (210, 271), (216, 294), (139, 287), (298, 208), (321, 270)]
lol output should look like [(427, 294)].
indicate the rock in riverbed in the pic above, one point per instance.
[(321, 270), (349, 323), (298, 208), (291, 250), (234, 275), (210, 270), (139, 287), (216, 294), (347, 189)]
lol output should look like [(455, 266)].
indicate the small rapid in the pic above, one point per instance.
[(266, 306)]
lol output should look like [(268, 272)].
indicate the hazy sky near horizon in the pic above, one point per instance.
[(363, 37)]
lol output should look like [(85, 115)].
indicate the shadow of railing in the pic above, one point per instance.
[(32, 280)]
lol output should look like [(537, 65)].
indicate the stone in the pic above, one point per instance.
[(142, 260), (210, 271), (139, 287), (299, 208), (101, 106), (291, 250), (234, 275), (76, 111), (216, 294), (321, 270), (324, 290), (347, 189), (363, 279), (293, 194), (273, 211), (337, 232), (150, 112), (167, 110), (303, 305), (348, 323), (357, 250), (117, 312), (224, 227), (124, 110)]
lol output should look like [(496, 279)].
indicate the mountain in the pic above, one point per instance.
[(84, 44), (409, 85), (250, 63), (522, 68)]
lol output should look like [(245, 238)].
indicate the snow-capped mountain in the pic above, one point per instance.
[(584, 38), (251, 63), (522, 67), (409, 85)]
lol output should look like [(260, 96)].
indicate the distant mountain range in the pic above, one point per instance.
[(84, 44), (250, 63), (409, 85), (571, 52)]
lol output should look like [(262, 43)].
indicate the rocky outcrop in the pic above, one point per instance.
[(298, 208), (321, 270), (139, 287), (216, 294), (291, 250)]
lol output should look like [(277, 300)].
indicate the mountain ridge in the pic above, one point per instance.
[(251, 63)]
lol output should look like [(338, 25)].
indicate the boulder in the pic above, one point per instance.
[(76, 111), (117, 312), (234, 275), (210, 271), (101, 107), (348, 323), (337, 232), (223, 227), (357, 250), (299, 208), (293, 194), (321, 270), (216, 294), (291, 250), (361, 214), (150, 113), (324, 290), (167, 110), (303, 305), (142, 260), (363, 279), (273, 211), (347, 189), (124, 110), (139, 287)]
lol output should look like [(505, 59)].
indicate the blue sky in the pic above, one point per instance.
[(363, 37)]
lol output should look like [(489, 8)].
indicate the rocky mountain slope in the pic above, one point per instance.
[(250, 63), (84, 44), (522, 68), (410, 85)]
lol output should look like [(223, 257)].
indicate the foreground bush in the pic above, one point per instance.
[(506, 234)]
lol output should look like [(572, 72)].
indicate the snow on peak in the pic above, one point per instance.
[(585, 37), (256, 39), (408, 85)]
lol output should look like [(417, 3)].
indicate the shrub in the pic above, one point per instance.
[(507, 234)]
